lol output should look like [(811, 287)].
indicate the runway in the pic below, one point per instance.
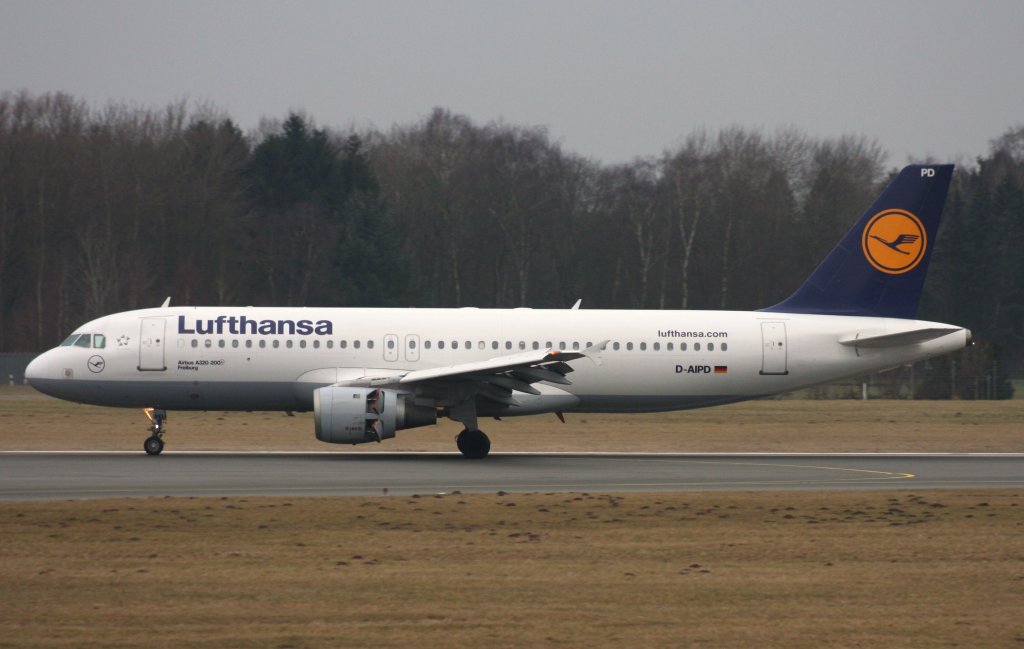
[(56, 476)]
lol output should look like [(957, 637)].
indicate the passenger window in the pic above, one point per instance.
[(330, 344), (725, 346), (536, 345), (522, 344), (629, 346), (668, 346), (561, 345), (369, 344), (355, 344), (481, 345), (469, 345), (412, 344), (657, 347), (440, 344), (455, 344), (83, 341), (494, 344), (288, 343), (575, 345), (643, 347), (508, 344), (682, 347), (343, 344), (696, 347), (195, 343), (615, 346), (426, 344), (99, 341), (711, 347), (391, 344), (263, 344), (548, 345), (276, 344), (248, 344), (234, 344), (208, 343), (316, 344), (302, 344)]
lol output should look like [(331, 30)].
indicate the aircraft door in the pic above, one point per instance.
[(151, 345), (773, 348), (391, 348), (412, 348)]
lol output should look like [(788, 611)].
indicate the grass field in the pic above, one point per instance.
[(843, 569), (30, 421), (783, 569)]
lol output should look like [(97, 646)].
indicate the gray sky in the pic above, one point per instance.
[(610, 80)]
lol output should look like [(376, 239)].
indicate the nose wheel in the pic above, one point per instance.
[(154, 444)]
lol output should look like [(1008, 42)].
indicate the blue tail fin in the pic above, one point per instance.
[(878, 268)]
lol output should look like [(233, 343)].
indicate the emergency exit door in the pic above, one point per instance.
[(151, 345)]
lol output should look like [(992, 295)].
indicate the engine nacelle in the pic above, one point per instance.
[(359, 415)]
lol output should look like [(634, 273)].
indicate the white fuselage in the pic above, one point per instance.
[(222, 358)]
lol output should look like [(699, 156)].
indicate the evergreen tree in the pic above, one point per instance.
[(368, 264), (321, 227)]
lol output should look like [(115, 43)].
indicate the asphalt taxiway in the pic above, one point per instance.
[(71, 475)]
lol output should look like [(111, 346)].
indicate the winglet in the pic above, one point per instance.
[(594, 351), (576, 307), (166, 303)]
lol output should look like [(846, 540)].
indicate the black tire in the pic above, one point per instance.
[(153, 445), (473, 444)]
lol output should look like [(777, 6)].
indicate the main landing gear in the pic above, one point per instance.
[(155, 442), (473, 444)]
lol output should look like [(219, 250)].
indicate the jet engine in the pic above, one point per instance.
[(358, 415)]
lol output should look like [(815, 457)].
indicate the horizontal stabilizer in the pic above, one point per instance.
[(868, 340)]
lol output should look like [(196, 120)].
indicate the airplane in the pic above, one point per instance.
[(369, 372)]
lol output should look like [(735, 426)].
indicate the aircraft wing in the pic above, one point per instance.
[(501, 375)]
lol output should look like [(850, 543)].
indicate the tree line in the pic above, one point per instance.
[(115, 208)]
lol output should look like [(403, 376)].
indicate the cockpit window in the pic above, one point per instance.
[(96, 341)]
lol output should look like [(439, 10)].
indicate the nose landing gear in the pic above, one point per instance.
[(154, 444)]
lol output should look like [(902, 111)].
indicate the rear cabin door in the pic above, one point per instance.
[(151, 345), (773, 348)]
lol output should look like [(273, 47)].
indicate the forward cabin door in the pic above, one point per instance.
[(151, 345), (773, 348)]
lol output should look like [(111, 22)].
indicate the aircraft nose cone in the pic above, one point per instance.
[(36, 369)]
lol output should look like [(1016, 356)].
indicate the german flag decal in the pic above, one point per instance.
[(721, 369)]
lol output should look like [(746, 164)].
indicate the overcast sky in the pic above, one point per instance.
[(610, 80)]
